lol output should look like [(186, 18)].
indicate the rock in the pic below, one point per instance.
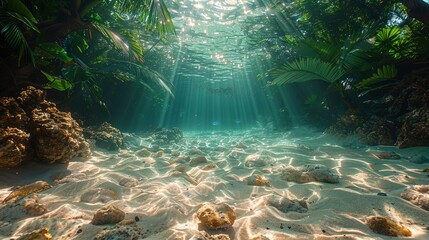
[(371, 130), (387, 227), (309, 173), (415, 129), (202, 235), (29, 118), (257, 180), (216, 216), (121, 232), (41, 234), (256, 160), (197, 160), (143, 153), (382, 194), (285, 205), (58, 138), (33, 207), (15, 147), (26, 190), (417, 195), (105, 136), (209, 167), (419, 159), (387, 155), (128, 182), (165, 135), (12, 115), (426, 170), (108, 214), (98, 195)]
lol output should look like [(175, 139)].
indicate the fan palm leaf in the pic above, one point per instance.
[(306, 69)]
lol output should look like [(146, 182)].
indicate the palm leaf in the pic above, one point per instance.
[(386, 72), (306, 69), (56, 82)]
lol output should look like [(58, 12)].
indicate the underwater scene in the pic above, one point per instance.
[(214, 119)]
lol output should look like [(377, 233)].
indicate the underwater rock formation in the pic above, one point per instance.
[(58, 137), (105, 136), (387, 227), (309, 173), (257, 180), (25, 190), (41, 234), (214, 216), (417, 195), (123, 232), (415, 129), (15, 147), (285, 205), (372, 130), (165, 135), (30, 124), (108, 214)]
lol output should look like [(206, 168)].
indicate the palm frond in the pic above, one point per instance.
[(386, 72), (306, 69)]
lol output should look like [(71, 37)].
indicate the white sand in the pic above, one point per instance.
[(166, 200)]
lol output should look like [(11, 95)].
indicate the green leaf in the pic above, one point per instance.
[(56, 83), (53, 50), (306, 69), (20, 8), (382, 74)]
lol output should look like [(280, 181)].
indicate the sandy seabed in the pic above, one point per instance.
[(164, 190)]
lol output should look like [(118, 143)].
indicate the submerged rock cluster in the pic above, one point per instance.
[(31, 126), (164, 135), (105, 136)]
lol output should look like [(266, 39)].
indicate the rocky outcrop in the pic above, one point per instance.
[(165, 135), (105, 136), (370, 130), (415, 129), (33, 128), (15, 147), (214, 216)]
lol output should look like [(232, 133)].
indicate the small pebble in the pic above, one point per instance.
[(381, 194)]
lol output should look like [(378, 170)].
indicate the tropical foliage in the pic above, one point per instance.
[(80, 46)]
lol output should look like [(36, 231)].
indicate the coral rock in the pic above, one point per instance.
[(257, 180), (309, 173), (23, 191), (165, 135), (415, 129), (33, 207), (205, 236), (41, 234), (14, 147), (11, 114), (58, 137), (216, 216), (417, 195), (105, 136), (108, 214), (121, 232), (387, 227), (197, 160)]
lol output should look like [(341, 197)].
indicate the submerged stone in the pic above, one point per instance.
[(108, 214), (214, 216), (257, 180), (23, 191), (417, 195), (387, 227), (309, 173), (41, 234)]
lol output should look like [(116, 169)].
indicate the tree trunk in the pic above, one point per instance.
[(417, 9)]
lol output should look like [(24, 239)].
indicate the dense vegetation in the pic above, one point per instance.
[(84, 49), (360, 49)]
